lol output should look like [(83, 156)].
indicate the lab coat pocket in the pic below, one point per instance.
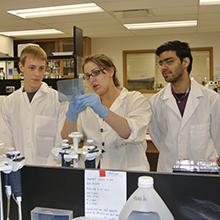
[(45, 135), (199, 138)]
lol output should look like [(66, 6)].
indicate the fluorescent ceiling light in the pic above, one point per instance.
[(169, 24), (209, 2), (30, 32), (56, 10)]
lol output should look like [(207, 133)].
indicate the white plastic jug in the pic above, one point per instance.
[(145, 203)]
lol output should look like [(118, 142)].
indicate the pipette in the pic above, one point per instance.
[(75, 137), (13, 180)]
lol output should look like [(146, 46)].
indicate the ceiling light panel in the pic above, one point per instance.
[(209, 2), (169, 24), (57, 10), (30, 32)]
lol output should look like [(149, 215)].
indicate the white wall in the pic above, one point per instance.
[(113, 47), (6, 45)]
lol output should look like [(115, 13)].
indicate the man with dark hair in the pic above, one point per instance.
[(185, 122)]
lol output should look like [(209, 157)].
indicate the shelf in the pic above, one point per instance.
[(62, 53), (65, 62), (60, 57), (9, 59)]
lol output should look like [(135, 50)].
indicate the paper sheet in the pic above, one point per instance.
[(104, 195)]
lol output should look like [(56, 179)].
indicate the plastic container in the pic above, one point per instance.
[(16, 74), (2, 74), (41, 213), (88, 218), (145, 203)]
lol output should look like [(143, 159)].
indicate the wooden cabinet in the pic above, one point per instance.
[(56, 45), (66, 65)]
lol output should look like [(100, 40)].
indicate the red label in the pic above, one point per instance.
[(101, 172)]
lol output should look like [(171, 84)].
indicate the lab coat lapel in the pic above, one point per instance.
[(192, 102), (41, 91), (118, 101), (169, 100), (25, 98)]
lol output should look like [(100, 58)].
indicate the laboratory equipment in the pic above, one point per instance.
[(65, 154), (145, 203), (76, 136), (198, 166), (5, 167), (90, 154), (41, 213), (213, 85), (70, 155), (11, 164)]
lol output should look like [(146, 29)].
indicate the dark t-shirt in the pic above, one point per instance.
[(181, 99), (30, 95)]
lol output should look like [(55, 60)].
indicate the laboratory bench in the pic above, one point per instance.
[(188, 196)]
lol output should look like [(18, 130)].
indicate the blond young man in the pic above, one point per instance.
[(32, 117)]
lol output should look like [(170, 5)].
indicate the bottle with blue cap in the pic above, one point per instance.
[(145, 203)]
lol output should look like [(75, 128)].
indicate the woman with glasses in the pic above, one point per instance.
[(116, 119)]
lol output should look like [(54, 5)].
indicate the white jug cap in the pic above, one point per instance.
[(145, 182)]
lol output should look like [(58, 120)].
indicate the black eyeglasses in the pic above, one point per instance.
[(93, 73)]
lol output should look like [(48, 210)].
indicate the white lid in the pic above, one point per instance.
[(145, 182), (89, 141)]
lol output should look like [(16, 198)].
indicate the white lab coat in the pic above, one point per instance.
[(126, 154), (194, 136), (32, 128)]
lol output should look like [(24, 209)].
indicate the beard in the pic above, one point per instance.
[(173, 76)]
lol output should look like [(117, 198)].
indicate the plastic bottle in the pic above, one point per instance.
[(145, 203), (10, 73), (2, 74), (16, 74)]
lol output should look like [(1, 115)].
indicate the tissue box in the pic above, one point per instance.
[(40, 213)]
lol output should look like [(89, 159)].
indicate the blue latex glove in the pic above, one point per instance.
[(93, 101), (75, 107)]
